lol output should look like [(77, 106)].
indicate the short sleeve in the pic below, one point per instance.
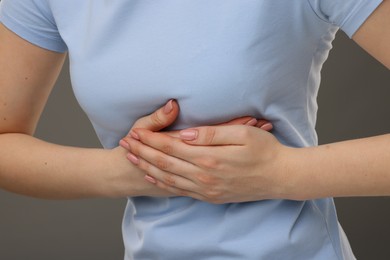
[(33, 21), (348, 15)]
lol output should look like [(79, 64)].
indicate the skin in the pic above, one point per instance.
[(33, 167), (204, 162)]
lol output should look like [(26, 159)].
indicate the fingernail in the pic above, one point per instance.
[(168, 107), (134, 135), (251, 122), (124, 144), (132, 158), (267, 127), (188, 135), (150, 179)]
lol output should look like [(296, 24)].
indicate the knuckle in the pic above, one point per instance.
[(209, 135), (205, 179), (169, 180), (133, 149), (167, 149), (213, 196), (157, 119), (208, 162), (162, 164), (133, 146)]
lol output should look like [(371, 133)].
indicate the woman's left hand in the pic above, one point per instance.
[(217, 164)]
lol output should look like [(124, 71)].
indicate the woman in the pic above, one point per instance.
[(220, 60)]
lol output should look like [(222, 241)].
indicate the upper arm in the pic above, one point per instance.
[(27, 75), (374, 34)]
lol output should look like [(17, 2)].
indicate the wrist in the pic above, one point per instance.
[(294, 183), (307, 171), (123, 179), (117, 180)]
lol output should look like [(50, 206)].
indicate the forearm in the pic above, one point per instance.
[(36, 168), (351, 168)]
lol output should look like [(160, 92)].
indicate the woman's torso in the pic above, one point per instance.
[(220, 59)]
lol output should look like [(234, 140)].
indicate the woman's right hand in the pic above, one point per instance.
[(157, 121)]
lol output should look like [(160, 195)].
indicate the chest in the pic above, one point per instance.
[(219, 59)]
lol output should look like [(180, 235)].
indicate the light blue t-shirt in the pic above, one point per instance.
[(220, 59)]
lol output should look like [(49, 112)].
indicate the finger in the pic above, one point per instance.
[(218, 135), (160, 118), (155, 174), (171, 182), (166, 144), (124, 141), (162, 157), (246, 120), (175, 134), (264, 125), (250, 121), (202, 157)]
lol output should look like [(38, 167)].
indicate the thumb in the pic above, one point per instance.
[(160, 118), (216, 135)]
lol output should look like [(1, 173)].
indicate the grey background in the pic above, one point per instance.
[(354, 102)]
